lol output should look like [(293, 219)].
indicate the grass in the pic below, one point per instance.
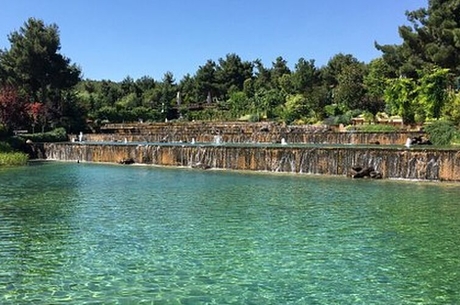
[(13, 159), (8, 157)]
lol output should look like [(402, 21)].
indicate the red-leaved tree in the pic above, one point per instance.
[(13, 108), (37, 114)]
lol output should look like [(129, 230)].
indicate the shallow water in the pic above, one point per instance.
[(108, 234)]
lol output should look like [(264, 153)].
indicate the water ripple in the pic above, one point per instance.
[(91, 234)]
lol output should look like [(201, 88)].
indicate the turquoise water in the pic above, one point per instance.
[(108, 234)]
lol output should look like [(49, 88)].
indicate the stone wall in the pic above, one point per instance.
[(391, 162), (237, 132)]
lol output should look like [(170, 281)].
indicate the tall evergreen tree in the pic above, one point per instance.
[(206, 81), (279, 68), (33, 64), (262, 76), (232, 72), (305, 76), (432, 38), (34, 60)]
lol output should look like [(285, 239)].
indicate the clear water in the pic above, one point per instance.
[(107, 234)]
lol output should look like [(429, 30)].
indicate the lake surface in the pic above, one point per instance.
[(108, 234)]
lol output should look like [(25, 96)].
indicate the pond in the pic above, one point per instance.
[(110, 234)]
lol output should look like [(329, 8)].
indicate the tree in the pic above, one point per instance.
[(349, 91), (343, 76), (317, 99), (145, 83), (286, 84), (433, 91), (279, 68), (168, 94), (375, 82), (73, 113), (187, 88), (305, 76), (34, 65), (295, 108), (401, 97), (451, 110), (432, 38), (232, 72), (13, 108), (206, 81), (239, 104), (268, 101), (109, 93), (262, 76), (108, 113), (37, 113), (128, 86), (129, 101), (335, 66)]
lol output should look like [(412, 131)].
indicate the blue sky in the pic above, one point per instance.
[(117, 38)]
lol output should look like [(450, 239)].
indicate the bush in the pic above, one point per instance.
[(441, 132), (3, 131), (13, 158), (56, 135), (5, 147), (344, 119), (8, 157), (374, 128)]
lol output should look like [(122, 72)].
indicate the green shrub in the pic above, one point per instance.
[(374, 128), (254, 118), (456, 139), (3, 131), (13, 159), (5, 147), (56, 135), (441, 132)]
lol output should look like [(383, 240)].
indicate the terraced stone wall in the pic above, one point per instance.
[(392, 162)]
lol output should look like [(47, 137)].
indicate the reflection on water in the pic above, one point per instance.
[(76, 233)]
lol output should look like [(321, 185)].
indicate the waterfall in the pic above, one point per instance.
[(416, 163)]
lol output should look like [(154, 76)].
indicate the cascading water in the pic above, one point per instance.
[(218, 140), (393, 162)]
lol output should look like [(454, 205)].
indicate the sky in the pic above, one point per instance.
[(113, 39)]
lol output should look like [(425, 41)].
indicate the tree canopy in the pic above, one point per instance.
[(34, 66), (431, 39), (418, 80)]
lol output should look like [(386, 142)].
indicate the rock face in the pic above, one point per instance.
[(391, 162)]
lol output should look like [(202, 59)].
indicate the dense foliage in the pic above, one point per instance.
[(441, 132), (417, 80), (56, 135), (431, 40), (232, 89), (37, 81)]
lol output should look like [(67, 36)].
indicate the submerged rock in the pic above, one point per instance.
[(421, 140), (368, 172), (200, 165), (127, 161)]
